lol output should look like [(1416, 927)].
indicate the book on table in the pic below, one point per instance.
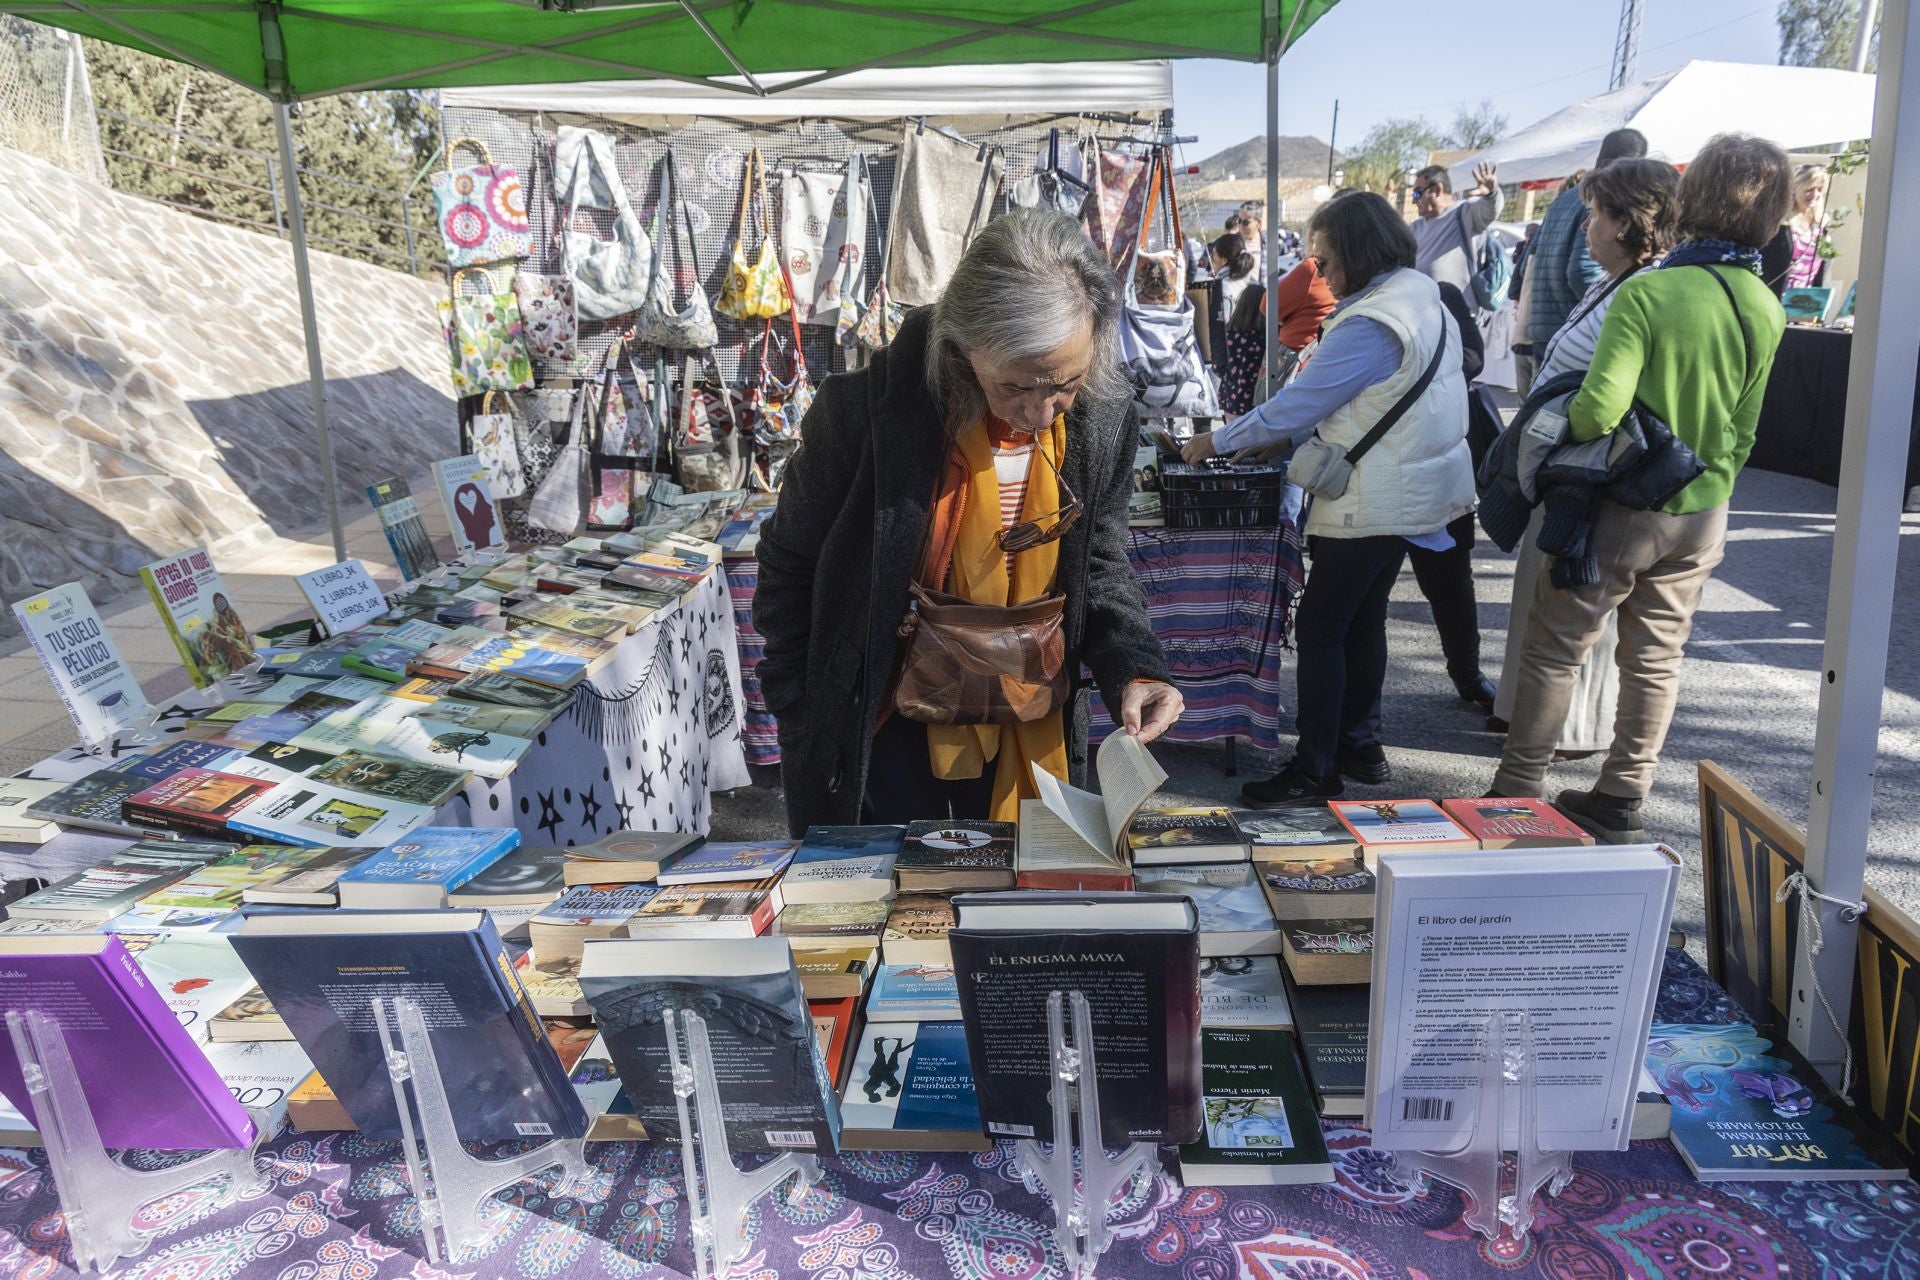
[(313, 884), (833, 1026), (917, 929), (390, 779), (117, 883), (1235, 919), (176, 756), (221, 885), (506, 690), (1747, 1107), (1243, 992), (406, 532), (842, 864), (1297, 831), (720, 861), (1158, 837), (914, 993), (198, 615), (911, 1089), (197, 974), (1074, 839), (950, 855), (420, 870), (1575, 938), (529, 876), (628, 856), (250, 1017), (323, 970), (1331, 1022), (1327, 952), (839, 972), (775, 1091), (1261, 1128), (815, 926), (1418, 826), (1319, 888), (1136, 958), (117, 1029), (740, 909), (17, 795), (584, 912), (194, 801), (305, 812), (1515, 823), (93, 802), (261, 1074), (554, 989)]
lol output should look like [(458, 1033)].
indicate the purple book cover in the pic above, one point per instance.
[(150, 1085)]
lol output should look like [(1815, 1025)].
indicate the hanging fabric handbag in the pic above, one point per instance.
[(1158, 350), (560, 503), (549, 318), (493, 436), (661, 324), (779, 408), (757, 292), (709, 444), (1324, 470), (620, 429), (482, 209), (1051, 187), (484, 338), (610, 276), (1119, 202)]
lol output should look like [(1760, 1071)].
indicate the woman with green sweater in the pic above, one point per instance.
[(1694, 342)]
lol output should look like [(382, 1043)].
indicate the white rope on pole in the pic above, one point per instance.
[(1850, 913)]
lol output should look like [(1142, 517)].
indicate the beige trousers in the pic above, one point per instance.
[(1653, 567)]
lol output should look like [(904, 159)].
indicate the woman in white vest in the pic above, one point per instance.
[(1389, 345)]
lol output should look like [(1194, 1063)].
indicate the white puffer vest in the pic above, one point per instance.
[(1420, 474)]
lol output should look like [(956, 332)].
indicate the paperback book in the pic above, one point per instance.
[(1413, 825), (422, 869), (199, 616), (17, 795), (914, 993), (1243, 992), (94, 802), (836, 972), (911, 1089), (98, 893), (389, 779), (1075, 839), (775, 1090), (842, 864), (1321, 952), (813, 926), (1261, 1129), (322, 972), (95, 685), (1512, 823), (400, 520), (1301, 831), (313, 884), (945, 856), (628, 856), (1235, 919), (305, 812), (185, 753), (1319, 889), (529, 876), (1157, 837), (195, 801), (1332, 1026), (739, 909), (916, 931), (468, 498), (719, 861)]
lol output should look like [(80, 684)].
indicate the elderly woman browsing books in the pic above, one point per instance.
[(950, 549)]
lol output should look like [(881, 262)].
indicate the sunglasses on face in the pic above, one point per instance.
[(1029, 534)]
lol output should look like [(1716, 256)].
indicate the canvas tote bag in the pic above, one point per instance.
[(942, 196)]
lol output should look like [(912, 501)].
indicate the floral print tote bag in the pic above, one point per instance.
[(482, 209), (549, 317), (484, 337), (757, 292)]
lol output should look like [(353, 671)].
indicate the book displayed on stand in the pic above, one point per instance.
[(1573, 937), (1136, 958), (421, 870), (911, 1089), (842, 864), (1299, 831), (1260, 1129), (1235, 919), (1516, 822), (952, 855), (775, 1091), (471, 512), (1074, 839), (322, 972), (399, 513), (117, 1028), (1407, 825), (1747, 1107), (95, 684), (199, 616)]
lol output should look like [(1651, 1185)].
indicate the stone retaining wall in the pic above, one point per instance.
[(153, 384)]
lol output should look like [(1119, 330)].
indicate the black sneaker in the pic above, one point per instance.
[(1292, 785), (1476, 689), (1610, 818), (1366, 765)]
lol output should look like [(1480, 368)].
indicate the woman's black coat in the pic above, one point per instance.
[(837, 556)]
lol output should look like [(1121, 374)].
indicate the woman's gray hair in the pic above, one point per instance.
[(1025, 287)]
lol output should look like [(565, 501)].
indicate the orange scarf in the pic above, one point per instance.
[(966, 520)]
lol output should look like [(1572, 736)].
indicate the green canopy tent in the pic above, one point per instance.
[(289, 50)]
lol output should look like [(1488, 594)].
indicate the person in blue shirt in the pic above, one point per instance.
[(1389, 327)]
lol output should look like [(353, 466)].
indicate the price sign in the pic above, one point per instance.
[(343, 596)]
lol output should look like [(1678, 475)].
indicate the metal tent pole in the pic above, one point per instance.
[(303, 276), (1866, 545), (1273, 224)]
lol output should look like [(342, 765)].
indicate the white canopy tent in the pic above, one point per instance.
[(938, 93), (1796, 107)]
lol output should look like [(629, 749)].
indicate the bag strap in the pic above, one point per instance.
[(686, 217), (1405, 402), (1153, 202), (1746, 367), (486, 402), (746, 199), (474, 143), (482, 272)]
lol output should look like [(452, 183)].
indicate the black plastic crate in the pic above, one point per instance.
[(1204, 496)]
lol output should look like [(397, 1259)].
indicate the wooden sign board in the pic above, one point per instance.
[(1749, 851)]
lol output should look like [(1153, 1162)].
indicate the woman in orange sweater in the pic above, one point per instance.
[(1304, 301)]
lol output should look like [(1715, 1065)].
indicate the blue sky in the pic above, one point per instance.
[(1385, 58)]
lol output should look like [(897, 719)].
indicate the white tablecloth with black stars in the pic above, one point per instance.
[(645, 744)]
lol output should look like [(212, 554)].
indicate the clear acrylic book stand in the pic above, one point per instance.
[(1079, 1206), (1506, 1057), (718, 1192), (98, 1195), (462, 1184)]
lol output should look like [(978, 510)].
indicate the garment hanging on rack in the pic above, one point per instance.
[(942, 195), (1119, 202)]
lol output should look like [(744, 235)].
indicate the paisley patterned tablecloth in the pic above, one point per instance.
[(337, 1209)]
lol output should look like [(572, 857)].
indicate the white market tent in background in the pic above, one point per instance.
[(1795, 107), (938, 93)]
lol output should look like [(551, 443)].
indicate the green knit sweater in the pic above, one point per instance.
[(1671, 341)]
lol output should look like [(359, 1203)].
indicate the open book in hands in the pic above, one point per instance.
[(1074, 839)]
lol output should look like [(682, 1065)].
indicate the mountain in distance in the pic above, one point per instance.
[(1300, 157)]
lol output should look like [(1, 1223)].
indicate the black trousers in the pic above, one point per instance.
[(1340, 631), (1446, 580), (901, 786)]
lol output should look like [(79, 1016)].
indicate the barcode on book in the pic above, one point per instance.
[(789, 1138), (1426, 1108)]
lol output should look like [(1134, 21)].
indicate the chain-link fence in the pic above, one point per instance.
[(46, 102)]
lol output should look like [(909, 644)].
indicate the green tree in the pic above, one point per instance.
[(1391, 148), (1819, 33), (1476, 128), (207, 145)]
